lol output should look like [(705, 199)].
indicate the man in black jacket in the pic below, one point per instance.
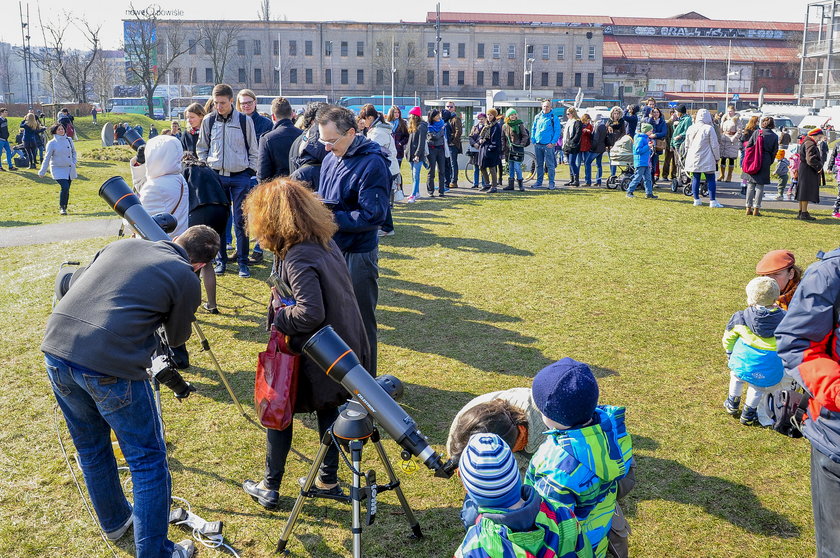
[(98, 345), (4, 138), (275, 145)]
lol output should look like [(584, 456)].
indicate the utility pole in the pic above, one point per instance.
[(27, 52), (393, 68), (525, 66), (437, 52), (280, 66), (728, 72)]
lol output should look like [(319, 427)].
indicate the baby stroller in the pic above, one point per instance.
[(682, 179), (621, 155)]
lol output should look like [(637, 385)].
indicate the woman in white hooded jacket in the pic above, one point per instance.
[(159, 183), (60, 158), (702, 152)]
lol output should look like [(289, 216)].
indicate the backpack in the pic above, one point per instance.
[(751, 162), (243, 125)]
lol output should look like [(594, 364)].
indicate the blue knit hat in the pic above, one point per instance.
[(566, 392), (489, 472)]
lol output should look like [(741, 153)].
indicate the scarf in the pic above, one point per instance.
[(514, 124), (485, 132), (436, 126), (784, 299)]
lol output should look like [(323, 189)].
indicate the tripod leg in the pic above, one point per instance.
[(206, 347), (326, 442), (356, 458), (392, 477)]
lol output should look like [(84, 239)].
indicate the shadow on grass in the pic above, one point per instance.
[(17, 223)]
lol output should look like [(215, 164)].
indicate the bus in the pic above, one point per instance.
[(298, 102), (177, 105), (136, 105), (382, 103)]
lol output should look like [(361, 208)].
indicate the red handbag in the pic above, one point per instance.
[(275, 385)]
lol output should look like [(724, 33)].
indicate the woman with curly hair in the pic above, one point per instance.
[(294, 224)]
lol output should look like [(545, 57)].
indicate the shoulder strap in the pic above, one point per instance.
[(212, 121), (243, 124)]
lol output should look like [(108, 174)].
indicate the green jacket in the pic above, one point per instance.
[(680, 128)]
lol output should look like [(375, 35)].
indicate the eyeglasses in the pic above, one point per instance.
[(332, 143), (246, 103)]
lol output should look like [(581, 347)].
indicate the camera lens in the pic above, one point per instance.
[(174, 381)]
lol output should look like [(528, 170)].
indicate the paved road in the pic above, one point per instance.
[(55, 232)]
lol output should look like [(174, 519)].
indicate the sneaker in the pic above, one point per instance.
[(537, 186), (219, 268), (13, 168), (698, 202), (244, 271), (714, 203), (62, 211), (749, 416), (492, 190), (484, 189), (256, 257), (332, 491), (117, 534), (551, 186), (652, 196), (731, 405), (412, 199), (630, 195), (184, 549), (2, 169), (386, 233), (779, 198), (836, 215), (213, 310), (261, 495)]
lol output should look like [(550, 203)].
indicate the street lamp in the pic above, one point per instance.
[(530, 74)]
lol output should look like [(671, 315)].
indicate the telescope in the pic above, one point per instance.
[(122, 199)]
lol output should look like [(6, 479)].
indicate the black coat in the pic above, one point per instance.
[(205, 187), (416, 146), (599, 138), (189, 140), (810, 165), (323, 292), (274, 150), (490, 151), (769, 149)]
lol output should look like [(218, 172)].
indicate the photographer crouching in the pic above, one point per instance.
[(98, 345)]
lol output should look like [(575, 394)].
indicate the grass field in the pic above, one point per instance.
[(477, 294)]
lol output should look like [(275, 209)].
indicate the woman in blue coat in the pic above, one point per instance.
[(660, 132), (31, 129)]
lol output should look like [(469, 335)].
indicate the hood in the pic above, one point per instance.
[(313, 152), (520, 519), (382, 125), (362, 146), (763, 321), (704, 117), (163, 156)]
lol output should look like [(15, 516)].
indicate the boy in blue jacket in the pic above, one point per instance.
[(750, 343), (641, 161)]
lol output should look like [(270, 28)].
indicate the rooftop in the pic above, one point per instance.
[(670, 48)]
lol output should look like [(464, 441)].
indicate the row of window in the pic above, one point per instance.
[(496, 51)]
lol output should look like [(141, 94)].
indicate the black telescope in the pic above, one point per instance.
[(126, 204), (134, 139), (341, 364)]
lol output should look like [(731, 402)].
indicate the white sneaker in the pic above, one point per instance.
[(410, 199), (184, 549), (715, 203), (698, 202), (117, 535)]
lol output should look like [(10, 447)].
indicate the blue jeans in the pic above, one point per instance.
[(4, 146), (64, 196), (364, 274), (545, 163), (452, 176), (93, 404), (515, 169), (588, 158), (415, 173), (575, 160), (237, 187), (710, 182), (825, 501), (642, 173)]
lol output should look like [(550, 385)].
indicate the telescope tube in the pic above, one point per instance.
[(126, 204)]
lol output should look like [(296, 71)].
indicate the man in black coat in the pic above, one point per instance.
[(275, 145)]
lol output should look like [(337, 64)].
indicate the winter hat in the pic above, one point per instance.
[(646, 128), (682, 109), (493, 112), (775, 260), (481, 115), (815, 132), (416, 111), (762, 291), (489, 472), (566, 392), (511, 111)]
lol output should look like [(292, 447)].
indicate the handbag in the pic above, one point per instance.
[(786, 408), (396, 188), (517, 154), (275, 384)]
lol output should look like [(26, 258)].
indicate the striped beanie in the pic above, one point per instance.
[(489, 472)]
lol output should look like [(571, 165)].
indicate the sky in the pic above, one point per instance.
[(110, 13)]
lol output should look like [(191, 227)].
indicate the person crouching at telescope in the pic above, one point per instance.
[(297, 227), (98, 345)]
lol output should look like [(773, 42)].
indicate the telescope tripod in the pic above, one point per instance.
[(353, 433)]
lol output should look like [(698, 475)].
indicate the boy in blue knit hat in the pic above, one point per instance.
[(586, 454), (513, 521)]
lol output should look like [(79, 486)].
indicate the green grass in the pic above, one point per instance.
[(477, 294)]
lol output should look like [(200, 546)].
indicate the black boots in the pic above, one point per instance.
[(510, 185), (521, 187)]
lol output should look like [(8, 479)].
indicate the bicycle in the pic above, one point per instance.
[(529, 169)]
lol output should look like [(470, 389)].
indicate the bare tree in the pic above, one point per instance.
[(7, 72), (219, 37), (104, 79), (264, 12), (149, 56), (246, 62), (397, 51), (67, 68)]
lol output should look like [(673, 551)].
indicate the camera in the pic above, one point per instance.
[(164, 371)]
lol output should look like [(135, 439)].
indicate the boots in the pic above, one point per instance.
[(749, 211), (510, 185), (756, 212), (805, 216), (729, 173), (521, 187)]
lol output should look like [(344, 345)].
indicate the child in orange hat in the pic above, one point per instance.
[(783, 172)]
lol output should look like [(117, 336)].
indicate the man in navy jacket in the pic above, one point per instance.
[(355, 184), (275, 145)]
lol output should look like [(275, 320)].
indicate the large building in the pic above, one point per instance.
[(613, 58)]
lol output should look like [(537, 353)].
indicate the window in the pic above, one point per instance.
[(360, 77), (511, 77), (409, 77), (292, 48), (208, 75), (380, 48), (710, 88), (577, 79), (412, 49), (445, 52), (242, 75), (307, 48), (579, 52), (327, 48), (544, 79), (460, 77), (328, 76), (561, 52), (257, 75), (529, 51), (360, 48), (344, 48), (293, 75), (445, 78), (430, 77), (240, 47), (559, 81), (479, 78), (345, 76), (275, 47), (192, 46), (590, 80), (309, 75), (497, 50), (380, 77), (592, 52), (462, 50), (683, 88), (545, 51), (495, 79), (176, 75), (396, 49), (480, 52), (430, 50), (257, 47), (511, 51), (208, 46)]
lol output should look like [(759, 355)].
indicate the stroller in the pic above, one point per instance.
[(621, 155), (682, 179)]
